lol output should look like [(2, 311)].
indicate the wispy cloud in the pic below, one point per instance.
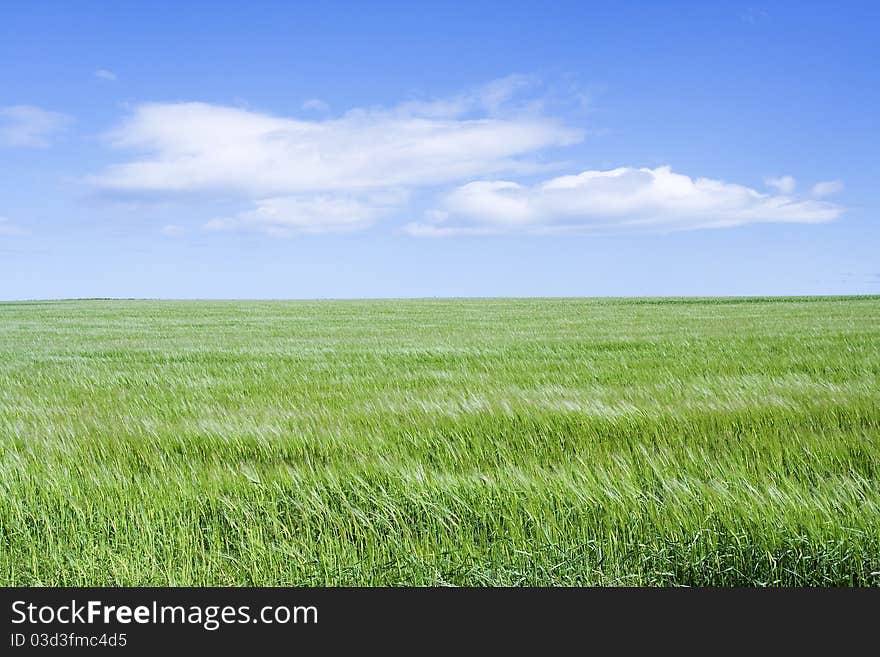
[(104, 74), (624, 199), (827, 188), (783, 184), (303, 215), (8, 228), (172, 230), (316, 105), (753, 15), (26, 126)]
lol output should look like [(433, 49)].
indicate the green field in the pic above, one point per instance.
[(432, 442)]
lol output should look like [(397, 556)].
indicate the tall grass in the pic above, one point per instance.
[(468, 442)]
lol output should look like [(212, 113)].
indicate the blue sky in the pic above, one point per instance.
[(268, 150)]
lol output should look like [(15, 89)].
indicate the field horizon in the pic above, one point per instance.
[(721, 441), (671, 297)]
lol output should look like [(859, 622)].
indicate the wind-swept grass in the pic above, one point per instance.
[(471, 442)]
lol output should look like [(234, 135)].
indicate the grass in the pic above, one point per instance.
[(429, 442)]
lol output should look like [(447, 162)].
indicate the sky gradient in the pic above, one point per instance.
[(266, 150)]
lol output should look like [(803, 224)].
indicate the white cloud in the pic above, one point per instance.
[(104, 74), (338, 174), (316, 105), (784, 184), (196, 147), (827, 188), (172, 230), (303, 215), (8, 228), (346, 172), (30, 127), (619, 199)]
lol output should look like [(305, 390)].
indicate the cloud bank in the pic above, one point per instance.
[(615, 200), (331, 175), (339, 174)]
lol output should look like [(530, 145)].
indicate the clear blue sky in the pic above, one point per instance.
[(271, 150)]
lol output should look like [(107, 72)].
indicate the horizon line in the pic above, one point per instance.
[(848, 296)]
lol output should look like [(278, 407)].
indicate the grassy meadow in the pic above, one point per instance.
[(432, 442)]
